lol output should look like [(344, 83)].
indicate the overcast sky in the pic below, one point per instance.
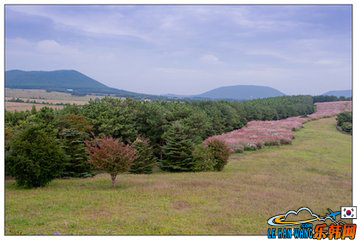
[(187, 49)]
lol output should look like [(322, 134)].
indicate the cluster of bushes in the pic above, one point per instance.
[(114, 157), (162, 133), (45, 144), (344, 122), (15, 100)]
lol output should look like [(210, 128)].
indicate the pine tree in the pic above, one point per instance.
[(73, 144), (73, 131), (178, 149), (145, 157), (33, 109)]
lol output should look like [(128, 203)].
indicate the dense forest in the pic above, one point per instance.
[(165, 134)]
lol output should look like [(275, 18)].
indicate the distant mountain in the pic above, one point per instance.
[(241, 92), (76, 83), (61, 80), (339, 93), (175, 96)]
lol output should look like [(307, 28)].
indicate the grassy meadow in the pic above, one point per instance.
[(315, 171)]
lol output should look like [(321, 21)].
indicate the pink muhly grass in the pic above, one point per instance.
[(259, 133)]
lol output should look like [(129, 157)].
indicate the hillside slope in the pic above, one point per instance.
[(60, 80), (339, 93), (241, 92)]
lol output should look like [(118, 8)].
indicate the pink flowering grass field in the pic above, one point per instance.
[(259, 133)]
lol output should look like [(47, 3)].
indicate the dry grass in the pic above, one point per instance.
[(51, 101), (19, 106), (315, 171), (40, 96), (43, 95)]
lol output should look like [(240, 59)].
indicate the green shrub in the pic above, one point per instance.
[(220, 153), (8, 137), (259, 145), (344, 117), (238, 148), (145, 157), (35, 157), (344, 121), (272, 143), (250, 147), (285, 141), (347, 127), (203, 159)]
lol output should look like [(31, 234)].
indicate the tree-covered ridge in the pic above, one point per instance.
[(330, 98)]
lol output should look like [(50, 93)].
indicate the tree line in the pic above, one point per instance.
[(166, 134), (325, 98)]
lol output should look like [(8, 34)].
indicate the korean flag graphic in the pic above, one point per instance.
[(348, 212)]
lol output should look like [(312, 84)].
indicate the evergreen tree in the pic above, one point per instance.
[(178, 149), (73, 131), (73, 144), (33, 109), (145, 157), (151, 123)]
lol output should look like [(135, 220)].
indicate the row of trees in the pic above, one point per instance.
[(325, 98), (166, 134)]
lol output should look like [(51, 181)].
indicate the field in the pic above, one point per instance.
[(19, 106), (40, 96), (258, 133), (43, 95), (315, 171)]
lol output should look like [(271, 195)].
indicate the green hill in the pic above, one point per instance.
[(241, 92), (62, 81), (339, 93)]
